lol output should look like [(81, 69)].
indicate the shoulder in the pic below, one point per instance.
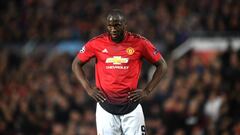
[(92, 43), (139, 39), (136, 36)]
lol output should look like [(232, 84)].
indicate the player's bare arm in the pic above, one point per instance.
[(77, 67), (161, 69)]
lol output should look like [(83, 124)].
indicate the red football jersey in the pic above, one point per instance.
[(118, 65)]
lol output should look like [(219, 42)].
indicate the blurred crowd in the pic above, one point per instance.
[(39, 95), (167, 22)]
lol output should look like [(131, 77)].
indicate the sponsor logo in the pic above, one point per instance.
[(105, 50), (117, 67), (117, 60), (130, 51)]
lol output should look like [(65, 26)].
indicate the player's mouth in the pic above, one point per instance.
[(114, 35)]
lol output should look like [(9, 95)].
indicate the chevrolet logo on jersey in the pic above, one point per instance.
[(117, 60)]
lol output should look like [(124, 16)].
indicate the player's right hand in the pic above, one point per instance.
[(96, 94)]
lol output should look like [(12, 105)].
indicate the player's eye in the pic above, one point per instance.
[(117, 25)]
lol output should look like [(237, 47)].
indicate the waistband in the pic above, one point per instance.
[(119, 109)]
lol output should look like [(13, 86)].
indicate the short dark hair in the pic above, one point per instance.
[(117, 13)]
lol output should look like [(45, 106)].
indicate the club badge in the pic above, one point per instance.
[(130, 51)]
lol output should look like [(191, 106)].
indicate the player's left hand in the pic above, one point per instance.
[(137, 95)]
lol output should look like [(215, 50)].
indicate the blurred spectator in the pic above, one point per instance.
[(169, 22)]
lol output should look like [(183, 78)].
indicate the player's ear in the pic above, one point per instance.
[(125, 25)]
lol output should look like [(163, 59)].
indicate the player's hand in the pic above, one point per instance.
[(96, 94), (137, 95)]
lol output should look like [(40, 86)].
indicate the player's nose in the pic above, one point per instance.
[(113, 29)]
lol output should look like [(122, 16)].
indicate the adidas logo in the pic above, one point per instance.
[(105, 50)]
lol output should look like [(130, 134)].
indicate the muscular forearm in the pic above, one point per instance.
[(161, 69), (93, 92), (78, 71)]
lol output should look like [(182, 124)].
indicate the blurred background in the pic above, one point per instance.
[(200, 95)]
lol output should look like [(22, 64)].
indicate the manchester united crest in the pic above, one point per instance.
[(130, 51)]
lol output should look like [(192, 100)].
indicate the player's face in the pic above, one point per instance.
[(115, 27)]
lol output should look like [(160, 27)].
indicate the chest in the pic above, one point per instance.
[(106, 52)]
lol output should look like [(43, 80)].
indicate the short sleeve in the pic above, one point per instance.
[(149, 52), (87, 52)]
